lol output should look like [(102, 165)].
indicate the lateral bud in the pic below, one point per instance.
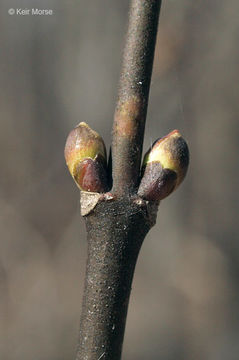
[(164, 167), (85, 156)]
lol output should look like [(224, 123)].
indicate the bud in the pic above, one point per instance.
[(85, 156), (164, 167)]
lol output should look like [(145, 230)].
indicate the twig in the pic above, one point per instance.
[(131, 109), (117, 226)]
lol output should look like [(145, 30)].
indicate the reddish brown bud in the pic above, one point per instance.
[(91, 176), (164, 167), (85, 156)]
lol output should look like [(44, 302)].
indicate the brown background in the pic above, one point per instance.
[(58, 70)]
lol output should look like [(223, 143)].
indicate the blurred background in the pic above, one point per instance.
[(58, 70)]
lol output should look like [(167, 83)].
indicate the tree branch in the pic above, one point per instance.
[(115, 232), (116, 222), (131, 109)]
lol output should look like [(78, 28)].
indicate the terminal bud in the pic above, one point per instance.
[(85, 156), (164, 167)]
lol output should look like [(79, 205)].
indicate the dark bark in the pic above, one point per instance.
[(131, 109), (116, 231), (118, 224)]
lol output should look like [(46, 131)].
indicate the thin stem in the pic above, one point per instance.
[(131, 108), (117, 227), (115, 231)]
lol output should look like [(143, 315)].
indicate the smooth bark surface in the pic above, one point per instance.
[(131, 109), (118, 224), (116, 231)]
